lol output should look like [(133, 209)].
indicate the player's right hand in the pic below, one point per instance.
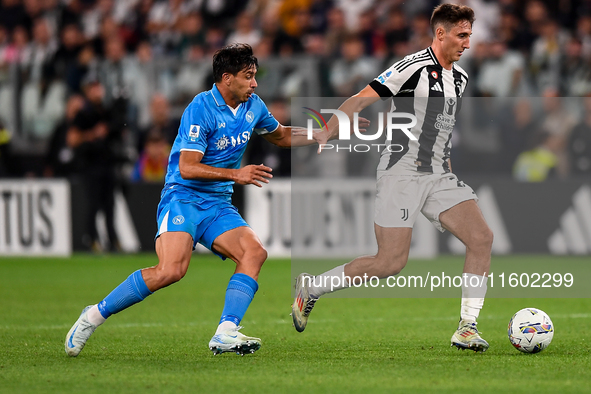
[(253, 174)]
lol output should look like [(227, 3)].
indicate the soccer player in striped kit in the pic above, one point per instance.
[(418, 178)]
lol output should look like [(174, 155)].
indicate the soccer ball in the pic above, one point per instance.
[(530, 330)]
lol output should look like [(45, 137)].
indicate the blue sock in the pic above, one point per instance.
[(239, 294), (131, 291)]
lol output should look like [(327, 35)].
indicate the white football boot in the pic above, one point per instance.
[(79, 334), (234, 341), (467, 337), (303, 303)]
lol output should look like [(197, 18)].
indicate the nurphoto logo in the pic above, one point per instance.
[(399, 121)]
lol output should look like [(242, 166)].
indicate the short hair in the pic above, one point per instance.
[(449, 15), (232, 59)]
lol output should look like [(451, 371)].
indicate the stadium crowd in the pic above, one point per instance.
[(98, 85)]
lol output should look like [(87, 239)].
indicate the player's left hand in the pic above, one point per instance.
[(253, 174)]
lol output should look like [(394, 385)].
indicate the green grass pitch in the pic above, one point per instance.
[(350, 345)]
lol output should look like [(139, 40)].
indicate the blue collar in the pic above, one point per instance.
[(217, 96)]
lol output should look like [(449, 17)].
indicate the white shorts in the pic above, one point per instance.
[(399, 198)]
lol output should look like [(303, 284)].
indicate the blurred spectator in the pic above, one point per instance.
[(579, 143), (164, 23), (93, 18), (558, 122), (12, 14), (67, 54), (546, 54), (43, 96), (193, 37), (33, 11), (153, 161), (517, 132), (118, 76), (421, 35), (95, 151), (71, 13), (137, 21), (318, 15), (15, 50), (513, 32), (108, 29), (219, 12), (372, 37), (535, 15), (6, 161), (583, 33), (245, 31), (290, 14), (353, 9), (146, 79), (539, 163), (349, 74), (59, 161), (37, 58), (336, 32), (575, 73), (282, 43), (396, 30), (500, 74), (161, 122), (215, 37), (86, 62)]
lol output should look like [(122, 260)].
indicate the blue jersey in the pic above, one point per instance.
[(221, 133)]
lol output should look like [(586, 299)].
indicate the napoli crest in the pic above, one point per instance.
[(179, 219), (249, 116)]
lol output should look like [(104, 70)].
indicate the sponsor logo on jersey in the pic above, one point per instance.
[(447, 119), (450, 107), (222, 143), (221, 125), (437, 87), (194, 132), (382, 78)]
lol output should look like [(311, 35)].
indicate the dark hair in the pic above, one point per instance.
[(232, 59), (450, 14)]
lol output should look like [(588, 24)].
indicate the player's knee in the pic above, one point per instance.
[(482, 239), (391, 264), (258, 254), (253, 258), (170, 275)]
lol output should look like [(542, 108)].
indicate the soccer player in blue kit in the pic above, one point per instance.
[(196, 204)]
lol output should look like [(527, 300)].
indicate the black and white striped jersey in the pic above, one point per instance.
[(418, 84)]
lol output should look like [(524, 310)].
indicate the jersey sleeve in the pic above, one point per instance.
[(388, 83), (402, 77), (267, 123), (194, 129)]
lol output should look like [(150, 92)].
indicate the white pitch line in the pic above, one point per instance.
[(276, 322)]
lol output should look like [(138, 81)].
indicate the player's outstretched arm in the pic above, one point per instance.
[(352, 105), (293, 136), (191, 167)]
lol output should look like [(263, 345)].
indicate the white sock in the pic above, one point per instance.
[(329, 281), (224, 326), (473, 291), (94, 316)]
